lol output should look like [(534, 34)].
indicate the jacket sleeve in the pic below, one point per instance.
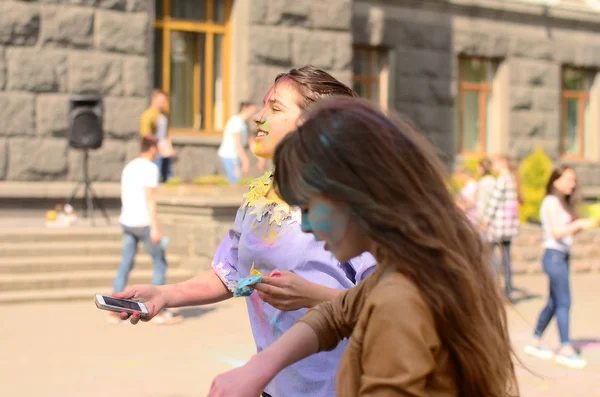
[(399, 345), (335, 320), (225, 261), (494, 201)]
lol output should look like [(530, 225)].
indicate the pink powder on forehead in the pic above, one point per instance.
[(269, 94)]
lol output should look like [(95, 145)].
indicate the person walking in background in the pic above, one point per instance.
[(235, 136), (485, 186), (139, 221), (501, 218), (468, 194), (154, 122), (559, 224)]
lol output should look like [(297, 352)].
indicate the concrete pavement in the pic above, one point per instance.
[(68, 349)]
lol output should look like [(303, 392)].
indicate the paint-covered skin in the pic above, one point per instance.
[(267, 233), (277, 118)]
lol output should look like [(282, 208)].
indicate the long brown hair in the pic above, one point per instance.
[(395, 184), (569, 202)]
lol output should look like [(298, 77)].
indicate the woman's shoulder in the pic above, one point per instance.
[(550, 200), (395, 288)]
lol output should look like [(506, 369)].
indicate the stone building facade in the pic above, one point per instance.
[(52, 49), (531, 43)]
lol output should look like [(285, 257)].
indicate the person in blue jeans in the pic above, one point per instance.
[(232, 152), (559, 224), (139, 220)]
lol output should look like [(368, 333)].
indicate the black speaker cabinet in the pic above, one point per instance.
[(86, 116)]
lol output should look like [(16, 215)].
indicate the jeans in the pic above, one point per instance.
[(131, 237), (232, 169), (506, 265), (556, 266), (164, 167)]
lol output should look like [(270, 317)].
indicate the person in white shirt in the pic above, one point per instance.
[(139, 220), (232, 152)]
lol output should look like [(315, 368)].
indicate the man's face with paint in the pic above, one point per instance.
[(333, 222), (278, 117)]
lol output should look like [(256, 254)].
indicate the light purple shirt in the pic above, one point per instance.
[(256, 239)]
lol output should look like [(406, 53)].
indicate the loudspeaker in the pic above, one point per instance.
[(86, 116)]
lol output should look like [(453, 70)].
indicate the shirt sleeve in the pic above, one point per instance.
[(334, 320), (363, 266), (152, 176), (410, 359), (494, 201), (225, 261), (146, 124)]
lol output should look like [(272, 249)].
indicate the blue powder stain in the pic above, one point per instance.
[(325, 139)]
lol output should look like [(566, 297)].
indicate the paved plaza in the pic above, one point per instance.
[(68, 349)]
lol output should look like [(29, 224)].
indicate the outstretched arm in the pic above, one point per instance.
[(297, 343), (322, 328)]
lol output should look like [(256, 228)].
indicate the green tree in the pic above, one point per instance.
[(534, 173)]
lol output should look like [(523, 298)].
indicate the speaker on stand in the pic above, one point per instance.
[(86, 115)]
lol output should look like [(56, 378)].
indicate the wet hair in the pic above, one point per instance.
[(569, 202), (486, 166), (395, 184), (313, 84), (148, 142)]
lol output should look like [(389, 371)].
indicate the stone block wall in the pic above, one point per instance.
[(50, 50), (425, 38), (291, 33)]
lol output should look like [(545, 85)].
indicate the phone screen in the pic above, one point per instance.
[(125, 304)]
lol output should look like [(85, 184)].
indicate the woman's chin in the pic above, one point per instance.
[(263, 154)]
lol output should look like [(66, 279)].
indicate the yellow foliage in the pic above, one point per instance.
[(534, 173), (470, 167)]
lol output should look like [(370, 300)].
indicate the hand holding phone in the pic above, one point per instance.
[(150, 295), (120, 305)]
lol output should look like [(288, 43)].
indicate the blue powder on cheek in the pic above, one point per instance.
[(322, 223)]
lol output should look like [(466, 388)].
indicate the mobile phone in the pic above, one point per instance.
[(120, 305)]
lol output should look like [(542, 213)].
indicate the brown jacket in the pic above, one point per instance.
[(394, 348)]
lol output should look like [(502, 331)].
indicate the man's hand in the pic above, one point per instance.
[(286, 291), (155, 235)]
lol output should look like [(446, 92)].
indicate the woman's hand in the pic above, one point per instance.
[(287, 291), (241, 382), (150, 295), (585, 223)]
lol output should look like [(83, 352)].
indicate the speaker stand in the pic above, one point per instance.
[(89, 194)]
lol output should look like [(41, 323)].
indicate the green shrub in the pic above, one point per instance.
[(219, 180), (211, 180), (175, 181), (534, 173)]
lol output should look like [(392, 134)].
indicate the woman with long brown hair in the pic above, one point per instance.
[(559, 223), (429, 320)]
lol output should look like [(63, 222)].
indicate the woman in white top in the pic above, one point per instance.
[(559, 224)]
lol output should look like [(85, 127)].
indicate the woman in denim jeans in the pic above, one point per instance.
[(559, 224)]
